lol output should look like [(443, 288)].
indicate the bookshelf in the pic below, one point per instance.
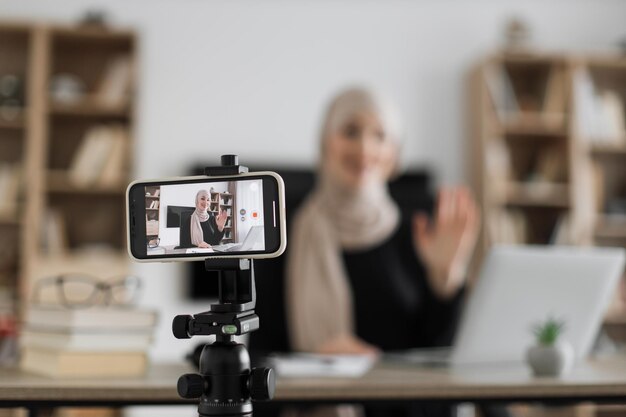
[(15, 72), (548, 151), (67, 135), (549, 148), (153, 200)]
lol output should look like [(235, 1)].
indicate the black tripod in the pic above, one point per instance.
[(225, 383)]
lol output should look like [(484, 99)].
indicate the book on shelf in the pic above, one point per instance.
[(506, 226), (600, 117), (60, 363), (93, 318), (152, 227), (555, 94), (498, 165), (100, 158), (115, 166), (86, 340), (550, 166), (563, 233), (115, 85), (54, 240), (501, 91), (10, 176)]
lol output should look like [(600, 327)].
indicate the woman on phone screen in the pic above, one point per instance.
[(206, 228)]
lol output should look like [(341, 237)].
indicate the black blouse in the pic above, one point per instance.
[(394, 307), (211, 233)]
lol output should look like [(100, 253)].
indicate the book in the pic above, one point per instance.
[(554, 97), (501, 92), (315, 365), (91, 157), (54, 238), (59, 363), (115, 85), (90, 318), (550, 166), (9, 189), (114, 168), (108, 340), (507, 227)]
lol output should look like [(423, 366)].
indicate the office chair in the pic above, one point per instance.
[(185, 230)]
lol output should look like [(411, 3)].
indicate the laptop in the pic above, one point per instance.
[(521, 286), (254, 240)]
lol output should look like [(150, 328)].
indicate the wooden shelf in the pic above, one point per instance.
[(88, 108), (537, 194), (608, 150), (9, 220), (59, 182), (610, 227), (534, 125), (18, 123), (88, 33), (607, 61)]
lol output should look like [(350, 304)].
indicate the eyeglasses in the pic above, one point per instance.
[(82, 291)]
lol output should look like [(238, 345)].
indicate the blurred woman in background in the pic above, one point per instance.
[(361, 277)]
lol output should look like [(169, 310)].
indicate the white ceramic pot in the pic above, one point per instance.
[(551, 360)]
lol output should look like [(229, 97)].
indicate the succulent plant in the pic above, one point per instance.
[(548, 332)]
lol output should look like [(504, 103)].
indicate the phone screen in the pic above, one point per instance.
[(200, 218)]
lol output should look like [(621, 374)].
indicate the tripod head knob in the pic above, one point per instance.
[(180, 326), (191, 386), (262, 384)]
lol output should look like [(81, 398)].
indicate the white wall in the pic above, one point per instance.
[(251, 77)]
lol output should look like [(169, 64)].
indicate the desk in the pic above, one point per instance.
[(601, 380), (171, 250)]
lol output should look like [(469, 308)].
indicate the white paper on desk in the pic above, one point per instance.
[(308, 365), (199, 250)]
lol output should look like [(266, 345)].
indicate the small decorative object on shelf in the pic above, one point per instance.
[(552, 355), (516, 34)]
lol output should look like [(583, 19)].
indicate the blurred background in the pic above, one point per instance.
[(522, 100)]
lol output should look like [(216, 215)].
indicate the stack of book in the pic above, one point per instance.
[(101, 157), (93, 342)]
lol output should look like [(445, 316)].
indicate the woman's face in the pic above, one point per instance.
[(360, 152), (203, 202)]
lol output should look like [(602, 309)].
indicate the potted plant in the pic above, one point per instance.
[(552, 355)]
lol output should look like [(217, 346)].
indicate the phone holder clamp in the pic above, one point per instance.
[(226, 384)]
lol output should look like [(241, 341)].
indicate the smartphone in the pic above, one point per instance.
[(194, 218)]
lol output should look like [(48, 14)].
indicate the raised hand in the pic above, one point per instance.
[(220, 219), (446, 245)]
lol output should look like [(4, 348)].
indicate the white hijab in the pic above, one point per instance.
[(197, 236), (334, 218)]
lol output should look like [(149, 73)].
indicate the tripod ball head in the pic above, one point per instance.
[(226, 385)]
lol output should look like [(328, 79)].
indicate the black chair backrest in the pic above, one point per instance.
[(412, 192), (185, 229)]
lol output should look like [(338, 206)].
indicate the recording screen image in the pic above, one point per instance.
[(205, 217)]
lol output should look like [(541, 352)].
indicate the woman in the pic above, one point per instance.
[(360, 277), (206, 229)]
